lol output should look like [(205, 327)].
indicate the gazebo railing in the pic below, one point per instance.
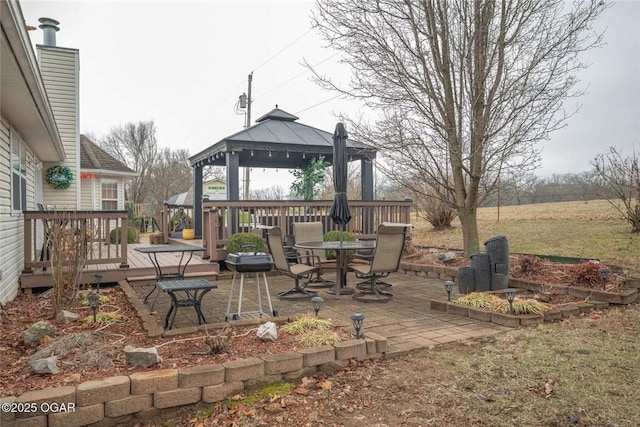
[(223, 218)]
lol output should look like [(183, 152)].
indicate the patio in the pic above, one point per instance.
[(407, 322)]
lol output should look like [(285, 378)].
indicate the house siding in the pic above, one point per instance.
[(60, 71), (11, 225)]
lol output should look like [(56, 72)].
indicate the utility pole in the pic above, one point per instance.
[(247, 170)]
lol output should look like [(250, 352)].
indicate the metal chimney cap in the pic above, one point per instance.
[(49, 22), (49, 27)]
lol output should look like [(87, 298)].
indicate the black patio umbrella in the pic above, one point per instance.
[(340, 213)]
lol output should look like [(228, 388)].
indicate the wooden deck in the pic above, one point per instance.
[(140, 268)]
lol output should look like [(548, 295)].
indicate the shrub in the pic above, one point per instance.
[(587, 272), (245, 242), (500, 305), (132, 235), (334, 236), (529, 265)]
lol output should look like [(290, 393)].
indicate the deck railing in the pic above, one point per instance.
[(223, 218), (96, 226)]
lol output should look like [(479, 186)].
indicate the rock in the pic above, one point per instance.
[(144, 357), (46, 294), (65, 317), (38, 330), (268, 332), (447, 256), (47, 365)]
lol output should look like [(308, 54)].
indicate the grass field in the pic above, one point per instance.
[(592, 230)]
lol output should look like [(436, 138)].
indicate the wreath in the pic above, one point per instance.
[(59, 177)]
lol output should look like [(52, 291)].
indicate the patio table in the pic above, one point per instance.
[(177, 274), (341, 249), (193, 290)]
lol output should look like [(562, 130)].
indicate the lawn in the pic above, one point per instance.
[(593, 230)]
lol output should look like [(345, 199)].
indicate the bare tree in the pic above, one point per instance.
[(171, 175), (622, 177), (135, 145), (275, 192), (462, 90)]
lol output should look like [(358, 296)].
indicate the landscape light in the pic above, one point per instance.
[(93, 302), (448, 286), (604, 273), (317, 303), (98, 279), (510, 293), (357, 319)]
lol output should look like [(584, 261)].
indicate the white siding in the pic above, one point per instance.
[(60, 71), (11, 226), (89, 195)]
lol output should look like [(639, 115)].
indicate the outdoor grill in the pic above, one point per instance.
[(250, 262)]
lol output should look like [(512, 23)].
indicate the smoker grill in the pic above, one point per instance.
[(249, 262)]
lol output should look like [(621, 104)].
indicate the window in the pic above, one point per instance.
[(109, 195), (18, 173)]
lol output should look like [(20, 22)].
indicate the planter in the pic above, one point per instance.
[(188, 233)]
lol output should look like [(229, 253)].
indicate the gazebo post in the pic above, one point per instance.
[(233, 186), (366, 183), (197, 201)]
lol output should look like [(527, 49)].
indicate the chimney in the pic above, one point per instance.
[(49, 26)]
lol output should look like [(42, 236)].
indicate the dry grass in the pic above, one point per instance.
[(590, 230), (582, 371)]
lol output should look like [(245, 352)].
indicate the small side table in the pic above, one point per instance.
[(193, 289)]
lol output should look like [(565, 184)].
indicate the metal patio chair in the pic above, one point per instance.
[(385, 260), (302, 270), (313, 232)]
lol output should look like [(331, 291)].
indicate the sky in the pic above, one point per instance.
[(183, 64)]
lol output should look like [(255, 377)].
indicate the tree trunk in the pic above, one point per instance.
[(469, 231)]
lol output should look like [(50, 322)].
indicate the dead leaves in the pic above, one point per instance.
[(547, 390)]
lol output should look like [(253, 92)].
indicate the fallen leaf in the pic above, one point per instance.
[(71, 378), (548, 387), (325, 385), (301, 390)]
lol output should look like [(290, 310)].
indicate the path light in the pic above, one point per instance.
[(357, 319), (604, 273), (98, 279), (510, 293), (317, 303), (448, 286), (93, 302)]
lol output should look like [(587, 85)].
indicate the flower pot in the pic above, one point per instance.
[(188, 233)]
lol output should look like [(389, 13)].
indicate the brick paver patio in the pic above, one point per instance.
[(407, 322)]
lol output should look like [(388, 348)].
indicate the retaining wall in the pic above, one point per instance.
[(118, 400)]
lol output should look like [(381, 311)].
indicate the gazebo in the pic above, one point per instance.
[(277, 140)]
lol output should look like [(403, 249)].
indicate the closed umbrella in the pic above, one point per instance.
[(340, 213)]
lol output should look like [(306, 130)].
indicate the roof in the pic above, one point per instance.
[(278, 140), (182, 199), (24, 101), (92, 157)]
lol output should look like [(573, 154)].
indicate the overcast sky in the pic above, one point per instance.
[(183, 65)]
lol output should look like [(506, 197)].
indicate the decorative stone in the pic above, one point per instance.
[(65, 317), (144, 357), (38, 330), (447, 256), (45, 366)]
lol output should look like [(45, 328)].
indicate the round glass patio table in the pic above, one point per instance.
[(341, 249)]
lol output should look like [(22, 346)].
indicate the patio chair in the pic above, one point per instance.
[(385, 260), (303, 269), (313, 232)]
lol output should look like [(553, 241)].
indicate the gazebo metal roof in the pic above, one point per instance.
[(277, 140)]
